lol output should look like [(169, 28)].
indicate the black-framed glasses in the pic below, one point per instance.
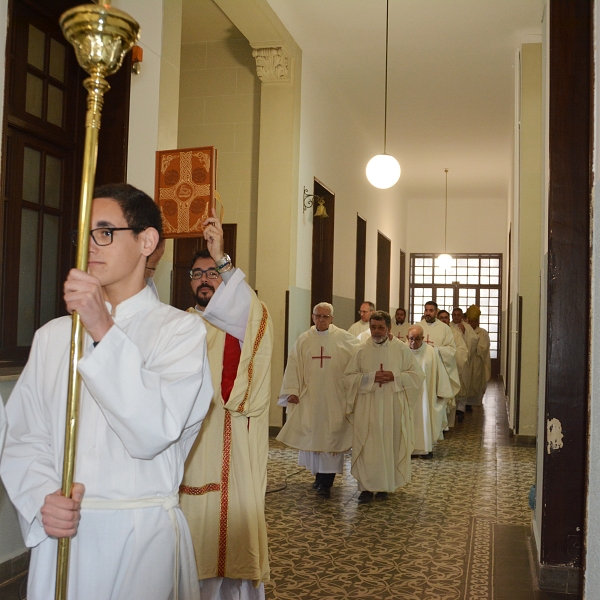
[(210, 273), (103, 236)]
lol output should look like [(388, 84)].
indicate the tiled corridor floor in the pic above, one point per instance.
[(457, 531)]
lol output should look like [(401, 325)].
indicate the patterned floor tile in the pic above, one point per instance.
[(431, 540)]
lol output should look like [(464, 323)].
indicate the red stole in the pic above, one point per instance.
[(231, 361)]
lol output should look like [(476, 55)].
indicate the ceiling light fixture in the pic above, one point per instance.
[(383, 170), (444, 261)]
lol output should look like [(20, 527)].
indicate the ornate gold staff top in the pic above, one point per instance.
[(101, 36)]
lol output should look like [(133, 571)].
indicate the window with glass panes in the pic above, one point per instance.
[(471, 279)]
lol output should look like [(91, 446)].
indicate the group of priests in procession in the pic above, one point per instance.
[(385, 389), (170, 479)]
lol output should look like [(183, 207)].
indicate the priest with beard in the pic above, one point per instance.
[(400, 325), (224, 484), (438, 335), (429, 415), (383, 382)]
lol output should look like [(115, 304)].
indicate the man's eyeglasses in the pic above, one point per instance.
[(103, 236), (316, 316), (198, 273)]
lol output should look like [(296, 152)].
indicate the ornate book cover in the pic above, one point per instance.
[(185, 189)]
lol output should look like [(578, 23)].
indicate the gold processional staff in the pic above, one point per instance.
[(101, 36)]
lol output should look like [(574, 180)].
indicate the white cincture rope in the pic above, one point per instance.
[(168, 503)]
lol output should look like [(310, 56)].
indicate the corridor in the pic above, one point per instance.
[(457, 531)]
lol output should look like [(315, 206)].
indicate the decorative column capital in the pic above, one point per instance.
[(272, 66)]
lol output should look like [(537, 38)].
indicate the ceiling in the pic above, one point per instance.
[(451, 82), (451, 79)]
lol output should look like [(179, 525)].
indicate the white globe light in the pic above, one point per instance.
[(383, 171), (444, 261)]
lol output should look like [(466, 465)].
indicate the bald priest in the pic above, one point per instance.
[(315, 397)]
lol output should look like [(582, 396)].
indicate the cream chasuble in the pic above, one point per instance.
[(223, 490), (400, 331), (470, 340), (145, 389), (439, 335), (429, 415), (380, 413), (481, 367), (314, 373), (357, 328)]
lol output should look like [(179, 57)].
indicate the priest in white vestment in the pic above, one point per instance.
[(400, 325), (429, 415), (144, 392), (223, 488), (383, 381), (438, 335), (481, 364), (460, 326), (366, 310), (462, 359), (315, 397)]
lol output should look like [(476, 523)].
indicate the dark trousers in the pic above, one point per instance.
[(325, 479)]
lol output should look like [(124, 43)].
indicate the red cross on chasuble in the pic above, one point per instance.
[(321, 357), (231, 361), (428, 341)]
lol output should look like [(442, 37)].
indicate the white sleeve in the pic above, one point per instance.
[(228, 309), (151, 403)]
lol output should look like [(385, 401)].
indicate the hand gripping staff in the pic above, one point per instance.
[(101, 36)]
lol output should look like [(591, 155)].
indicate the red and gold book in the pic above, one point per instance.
[(185, 189)]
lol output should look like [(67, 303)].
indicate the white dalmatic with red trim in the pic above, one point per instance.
[(223, 489)]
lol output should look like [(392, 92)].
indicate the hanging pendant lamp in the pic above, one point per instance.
[(383, 170), (444, 261)]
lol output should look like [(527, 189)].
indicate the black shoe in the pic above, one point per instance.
[(460, 416), (365, 497), (317, 481), (469, 408), (324, 492), (427, 456), (381, 496)]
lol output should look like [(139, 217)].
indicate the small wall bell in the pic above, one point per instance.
[(321, 211)]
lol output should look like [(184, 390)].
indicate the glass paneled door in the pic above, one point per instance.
[(472, 279)]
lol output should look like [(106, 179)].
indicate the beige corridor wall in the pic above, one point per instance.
[(530, 227), (335, 149), (219, 106)]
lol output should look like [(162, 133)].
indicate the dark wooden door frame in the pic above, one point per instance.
[(384, 260), (361, 263), (568, 288), (322, 248)]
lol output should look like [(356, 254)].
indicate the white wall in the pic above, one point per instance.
[(334, 149), (474, 225)]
